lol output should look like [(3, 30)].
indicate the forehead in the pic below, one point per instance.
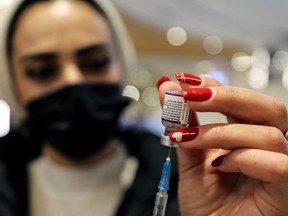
[(62, 24)]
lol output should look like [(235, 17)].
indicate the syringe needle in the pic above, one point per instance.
[(162, 196), (169, 152)]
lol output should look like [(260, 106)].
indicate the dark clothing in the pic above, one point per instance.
[(16, 151)]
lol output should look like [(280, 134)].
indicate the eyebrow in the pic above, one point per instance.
[(91, 49), (38, 57), (52, 56)]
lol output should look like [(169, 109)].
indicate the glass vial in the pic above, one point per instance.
[(175, 114)]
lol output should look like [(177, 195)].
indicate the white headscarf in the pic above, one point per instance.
[(7, 88)]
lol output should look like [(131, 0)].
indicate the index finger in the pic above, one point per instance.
[(187, 80), (240, 103)]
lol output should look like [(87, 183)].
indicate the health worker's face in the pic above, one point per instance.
[(62, 43)]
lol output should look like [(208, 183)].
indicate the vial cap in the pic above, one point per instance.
[(165, 140)]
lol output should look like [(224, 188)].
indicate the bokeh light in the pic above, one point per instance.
[(213, 44), (176, 36), (258, 78), (280, 60), (150, 96), (132, 92), (4, 118), (141, 77), (241, 62), (285, 78), (260, 57)]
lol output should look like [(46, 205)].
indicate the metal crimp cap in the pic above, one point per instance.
[(165, 140)]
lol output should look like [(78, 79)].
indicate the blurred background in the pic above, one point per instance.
[(240, 42)]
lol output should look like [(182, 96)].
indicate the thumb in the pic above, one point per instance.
[(189, 159)]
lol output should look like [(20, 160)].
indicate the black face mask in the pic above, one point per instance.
[(77, 120)]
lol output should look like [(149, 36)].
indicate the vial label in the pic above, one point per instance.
[(175, 108)]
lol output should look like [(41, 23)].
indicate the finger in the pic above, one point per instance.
[(259, 164), (165, 86), (189, 159), (231, 136), (245, 104), (187, 80)]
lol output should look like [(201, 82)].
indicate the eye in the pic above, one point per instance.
[(95, 65), (42, 73)]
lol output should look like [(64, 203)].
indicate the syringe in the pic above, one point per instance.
[(162, 196)]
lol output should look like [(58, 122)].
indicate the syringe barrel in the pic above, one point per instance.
[(160, 203)]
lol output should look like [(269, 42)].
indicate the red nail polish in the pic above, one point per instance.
[(197, 94), (218, 161), (162, 80), (188, 78), (184, 134)]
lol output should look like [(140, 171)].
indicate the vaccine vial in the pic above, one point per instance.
[(175, 114)]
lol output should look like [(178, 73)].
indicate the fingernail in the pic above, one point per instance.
[(188, 78), (162, 80), (197, 94), (184, 134), (218, 161)]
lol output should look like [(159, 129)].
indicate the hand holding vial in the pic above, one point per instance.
[(234, 168)]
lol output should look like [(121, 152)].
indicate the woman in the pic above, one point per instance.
[(66, 155), (65, 66)]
